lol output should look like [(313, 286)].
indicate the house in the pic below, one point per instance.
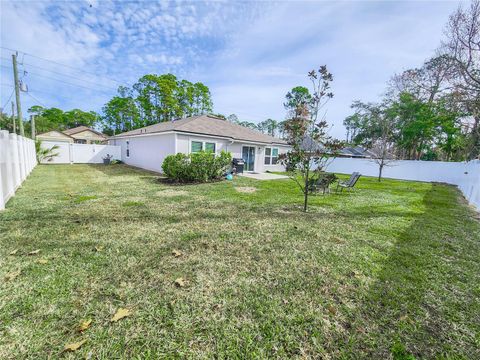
[(147, 147), (78, 135), (360, 152)]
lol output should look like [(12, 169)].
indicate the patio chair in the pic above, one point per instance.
[(350, 183), (322, 183)]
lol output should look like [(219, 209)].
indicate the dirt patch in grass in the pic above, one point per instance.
[(167, 181), (246, 189)]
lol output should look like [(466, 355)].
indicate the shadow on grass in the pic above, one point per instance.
[(403, 313), (121, 169)]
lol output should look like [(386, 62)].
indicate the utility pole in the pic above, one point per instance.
[(13, 118), (17, 94), (32, 125)]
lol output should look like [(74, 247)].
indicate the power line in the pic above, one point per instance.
[(63, 74), (34, 98), (62, 81), (68, 66), (6, 102), (70, 76)]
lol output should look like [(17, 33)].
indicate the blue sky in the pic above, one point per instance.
[(248, 53)]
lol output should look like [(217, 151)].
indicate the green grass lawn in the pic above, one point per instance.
[(388, 271)]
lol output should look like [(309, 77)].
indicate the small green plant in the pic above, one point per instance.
[(132, 203), (83, 198), (196, 167), (399, 352), (45, 154)]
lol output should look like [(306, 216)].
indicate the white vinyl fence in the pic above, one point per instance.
[(81, 153), (466, 175), (17, 160)]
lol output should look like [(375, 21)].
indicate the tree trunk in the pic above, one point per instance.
[(380, 169), (305, 192)]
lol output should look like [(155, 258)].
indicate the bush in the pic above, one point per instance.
[(197, 167)]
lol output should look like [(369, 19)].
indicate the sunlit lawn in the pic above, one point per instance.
[(389, 270)]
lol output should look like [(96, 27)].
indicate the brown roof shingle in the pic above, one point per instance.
[(207, 125)]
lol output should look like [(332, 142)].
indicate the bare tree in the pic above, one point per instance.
[(384, 144), (427, 82), (462, 46)]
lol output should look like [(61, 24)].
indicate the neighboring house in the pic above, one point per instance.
[(147, 147), (77, 135), (309, 144), (360, 152)]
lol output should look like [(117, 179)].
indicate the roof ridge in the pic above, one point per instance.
[(251, 130), (187, 120)]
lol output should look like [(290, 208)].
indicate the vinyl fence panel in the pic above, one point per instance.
[(17, 160), (466, 175), (81, 153)]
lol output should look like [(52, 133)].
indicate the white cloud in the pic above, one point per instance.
[(249, 54), (363, 44)]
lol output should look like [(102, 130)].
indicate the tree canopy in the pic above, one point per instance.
[(436, 107), (153, 99)]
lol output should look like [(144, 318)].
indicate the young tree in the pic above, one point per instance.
[(384, 121), (375, 127), (306, 131)]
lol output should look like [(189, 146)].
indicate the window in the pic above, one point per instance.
[(210, 147), (197, 146), (271, 156), (274, 156), (80, 141), (268, 156), (128, 149)]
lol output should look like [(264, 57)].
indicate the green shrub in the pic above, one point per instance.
[(197, 167)]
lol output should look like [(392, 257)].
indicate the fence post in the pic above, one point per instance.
[(30, 155), (27, 143), (15, 161), (20, 158), (3, 177), (70, 153), (8, 166), (25, 154)]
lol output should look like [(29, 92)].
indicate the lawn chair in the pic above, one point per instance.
[(350, 183), (322, 183)]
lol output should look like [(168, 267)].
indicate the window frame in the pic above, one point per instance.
[(270, 157), (203, 142)]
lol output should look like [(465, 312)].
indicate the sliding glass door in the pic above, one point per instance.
[(248, 155)]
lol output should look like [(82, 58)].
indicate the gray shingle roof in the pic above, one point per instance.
[(206, 125), (81, 128)]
